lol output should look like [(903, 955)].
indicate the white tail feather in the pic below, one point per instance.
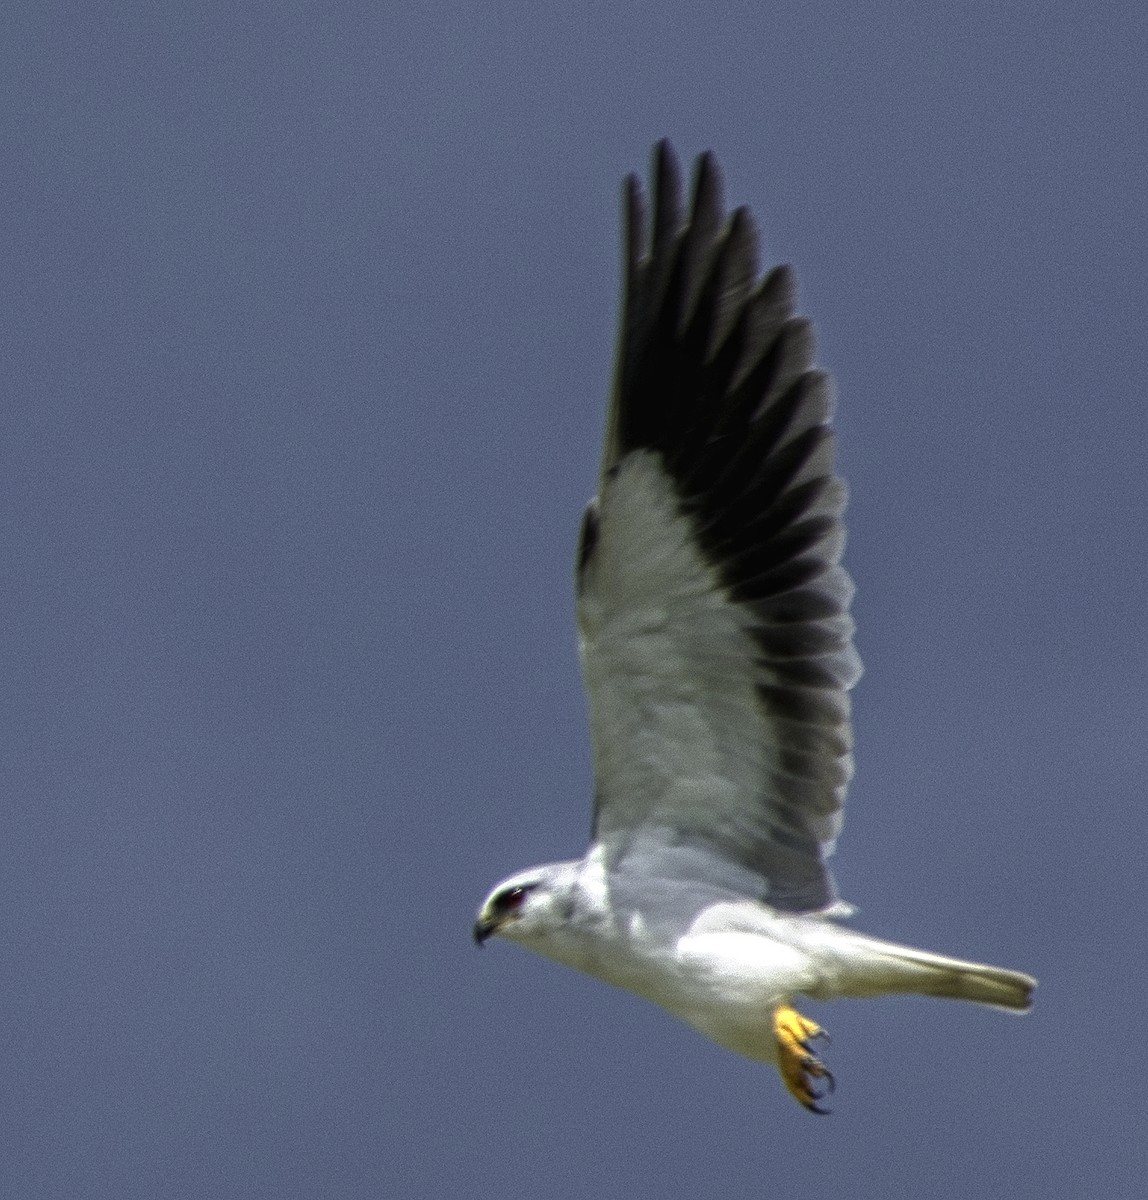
[(882, 968)]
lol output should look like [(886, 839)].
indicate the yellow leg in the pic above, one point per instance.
[(800, 1068)]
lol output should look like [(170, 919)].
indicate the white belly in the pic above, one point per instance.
[(725, 983)]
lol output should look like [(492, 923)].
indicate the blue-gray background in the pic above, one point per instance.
[(307, 326)]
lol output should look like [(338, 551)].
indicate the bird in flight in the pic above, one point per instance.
[(717, 652)]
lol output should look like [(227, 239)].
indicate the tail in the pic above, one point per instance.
[(874, 968), (928, 974)]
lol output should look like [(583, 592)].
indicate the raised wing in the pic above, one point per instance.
[(713, 612)]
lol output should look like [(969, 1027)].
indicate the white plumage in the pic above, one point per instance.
[(717, 651)]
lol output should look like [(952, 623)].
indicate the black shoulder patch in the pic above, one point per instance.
[(588, 537)]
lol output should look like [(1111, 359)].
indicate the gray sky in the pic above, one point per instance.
[(307, 324)]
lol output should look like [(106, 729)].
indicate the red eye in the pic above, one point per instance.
[(511, 899)]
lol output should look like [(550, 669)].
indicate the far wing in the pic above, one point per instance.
[(713, 612)]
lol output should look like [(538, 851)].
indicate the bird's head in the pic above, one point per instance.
[(528, 906)]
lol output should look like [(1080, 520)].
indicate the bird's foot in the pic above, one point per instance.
[(801, 1070)]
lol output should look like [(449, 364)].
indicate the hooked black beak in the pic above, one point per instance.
[(482, 930)]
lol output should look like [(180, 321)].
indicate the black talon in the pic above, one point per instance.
[(820, 1036)]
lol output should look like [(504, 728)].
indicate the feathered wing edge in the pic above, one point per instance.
[(715, 376)]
